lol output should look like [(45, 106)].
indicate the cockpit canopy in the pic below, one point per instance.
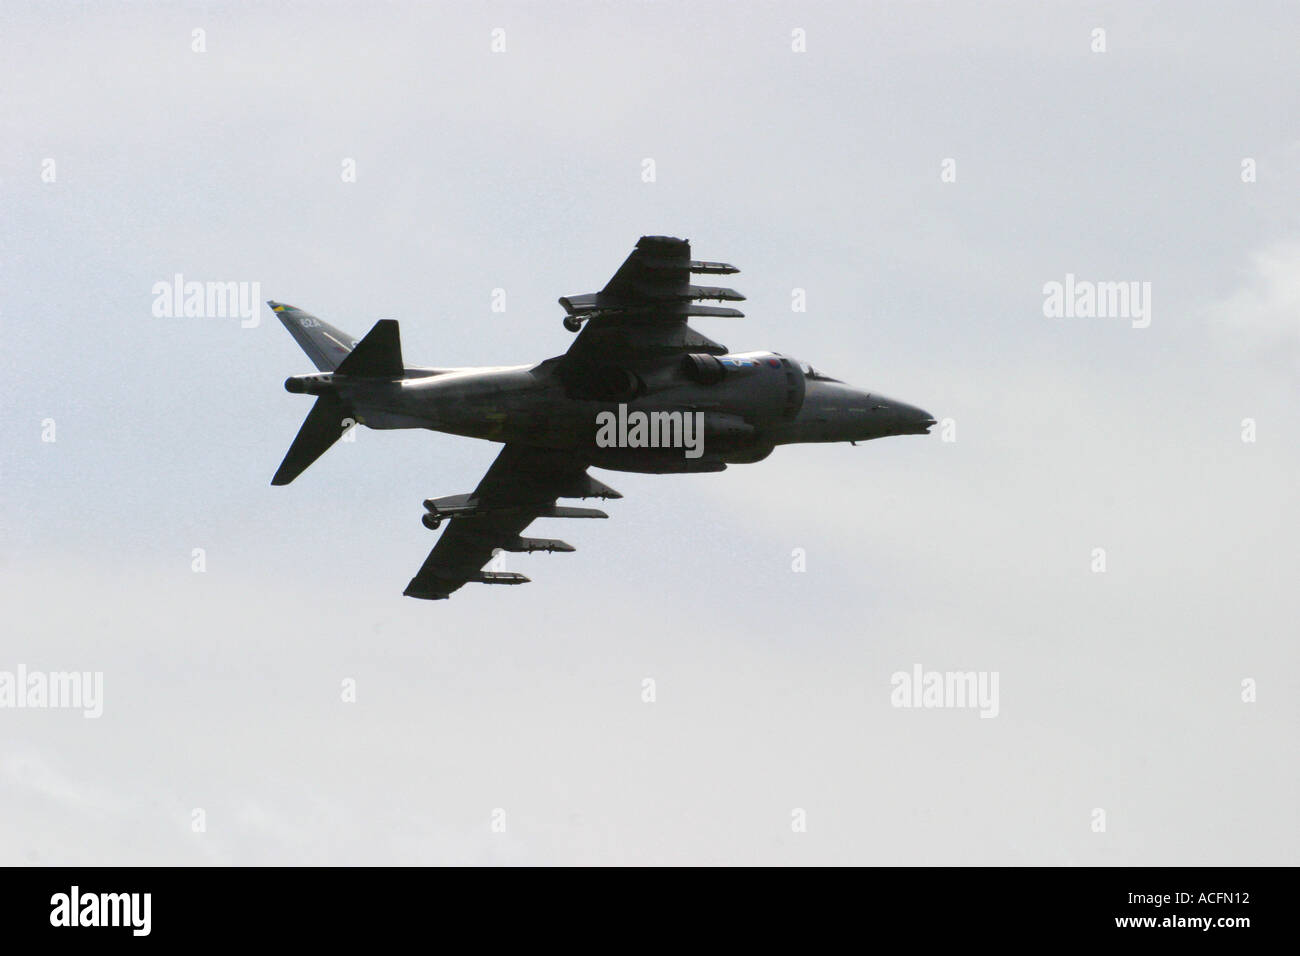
[(811, 373)]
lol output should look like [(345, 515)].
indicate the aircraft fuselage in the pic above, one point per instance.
[(758, 400)]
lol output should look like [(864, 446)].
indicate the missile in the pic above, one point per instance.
[(528, 545)]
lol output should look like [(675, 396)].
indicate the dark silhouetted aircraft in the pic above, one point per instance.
[(639, 390)]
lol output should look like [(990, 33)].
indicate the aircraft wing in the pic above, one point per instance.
[(642, 311), (521, 486)]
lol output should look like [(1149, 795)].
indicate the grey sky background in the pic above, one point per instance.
[(522, 170)]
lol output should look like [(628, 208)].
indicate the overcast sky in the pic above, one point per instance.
[(522, 170)]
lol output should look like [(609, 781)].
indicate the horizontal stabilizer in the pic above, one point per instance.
[(328, 419), (378, 355), (325, 345)]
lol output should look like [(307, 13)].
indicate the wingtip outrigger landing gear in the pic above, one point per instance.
[(573, 323), (431, 521)]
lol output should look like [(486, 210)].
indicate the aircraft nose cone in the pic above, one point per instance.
[(892, 417), (912, 420)]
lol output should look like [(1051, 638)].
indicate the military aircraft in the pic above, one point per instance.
[(638, 390)]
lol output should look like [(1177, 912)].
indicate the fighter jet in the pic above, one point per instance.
[(638, 390)]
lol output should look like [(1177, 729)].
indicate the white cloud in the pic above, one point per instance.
[(1262, 317)]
